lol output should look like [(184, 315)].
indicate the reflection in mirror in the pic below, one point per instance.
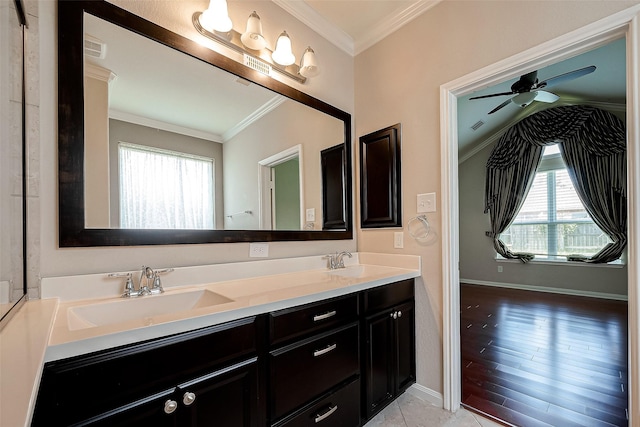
[(12, 137), (145, 120)]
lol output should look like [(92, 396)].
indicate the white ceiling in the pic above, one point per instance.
[(355, 25)]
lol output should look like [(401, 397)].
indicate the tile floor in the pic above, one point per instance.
[(410, 411)]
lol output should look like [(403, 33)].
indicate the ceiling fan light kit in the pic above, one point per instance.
[(527, 88)]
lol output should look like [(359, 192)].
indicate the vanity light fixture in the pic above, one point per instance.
[(215, 24)]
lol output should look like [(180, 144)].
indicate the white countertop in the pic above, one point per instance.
[(40, 331)]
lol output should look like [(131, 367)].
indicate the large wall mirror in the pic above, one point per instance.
[(139, 105), (12, 177)]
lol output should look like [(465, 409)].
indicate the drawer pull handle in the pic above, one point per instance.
[(188, 398), (326, 315), (326, 414), (170, 406), (324, 350)]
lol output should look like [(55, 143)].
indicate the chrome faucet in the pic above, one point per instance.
[(149, 283), (337, 260)]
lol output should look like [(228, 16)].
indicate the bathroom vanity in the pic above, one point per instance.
[(334, 354)]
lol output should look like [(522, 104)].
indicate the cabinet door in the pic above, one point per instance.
[(158, 411), (228, 397), (390, 361), (406, 346), (379, 368)]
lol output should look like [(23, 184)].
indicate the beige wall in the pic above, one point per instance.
[(398, 80), (334, 85)]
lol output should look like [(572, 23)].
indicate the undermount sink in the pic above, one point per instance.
[(354, 271), (140, 308)]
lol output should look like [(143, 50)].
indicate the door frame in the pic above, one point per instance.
[(622, 24), (264, 189)]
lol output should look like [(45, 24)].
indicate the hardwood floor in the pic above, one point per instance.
[(536, 359)]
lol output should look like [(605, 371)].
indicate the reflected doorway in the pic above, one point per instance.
[(281, 190)]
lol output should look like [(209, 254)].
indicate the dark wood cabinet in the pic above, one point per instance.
[(315, 350), (388, 366), (335, 362), (380, 179), (137, 382)]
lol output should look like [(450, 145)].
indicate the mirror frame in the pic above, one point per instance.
[(21, 17), (72, 231)]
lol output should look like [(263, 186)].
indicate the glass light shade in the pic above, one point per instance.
[(309, 64), (216, 17), (523, 99), (252, 37), (283, 54)]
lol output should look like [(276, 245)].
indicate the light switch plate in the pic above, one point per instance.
[(311, 214), (426, 202), (398, 240)]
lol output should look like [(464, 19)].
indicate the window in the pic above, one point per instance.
[(163, 189), (552, 222)]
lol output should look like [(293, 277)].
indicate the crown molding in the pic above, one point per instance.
[(379, 30), (308, 16), (391, 23)]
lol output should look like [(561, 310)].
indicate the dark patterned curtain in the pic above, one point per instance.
[(593, 146)]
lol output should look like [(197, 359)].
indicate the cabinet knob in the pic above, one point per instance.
[(399, 313), (394, 315), (170, 406), (188, 398)]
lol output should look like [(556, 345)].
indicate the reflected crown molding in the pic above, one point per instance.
[(256, 115)]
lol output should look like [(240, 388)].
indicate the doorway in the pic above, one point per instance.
[(623, 24)]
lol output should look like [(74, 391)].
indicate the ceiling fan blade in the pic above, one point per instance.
[(566, 77), (504, 104), (492, 95), (544, 96)]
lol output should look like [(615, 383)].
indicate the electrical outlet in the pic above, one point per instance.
[(426, 202), (398, 240), (258, 250), (499, 269)]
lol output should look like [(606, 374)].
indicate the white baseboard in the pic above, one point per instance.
[(426, 394), (573, 292)]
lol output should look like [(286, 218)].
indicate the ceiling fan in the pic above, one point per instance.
[(527, 89)]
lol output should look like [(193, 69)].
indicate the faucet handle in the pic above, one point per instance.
[(331, 263), (156, 287), (129, 288)]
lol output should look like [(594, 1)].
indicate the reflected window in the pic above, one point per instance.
[(553, 222), (163, 189)]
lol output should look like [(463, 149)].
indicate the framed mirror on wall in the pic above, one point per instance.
[(13, 284), (118, 134)]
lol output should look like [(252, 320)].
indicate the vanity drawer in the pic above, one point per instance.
[(312, 318), (387, 296), (340, 408), (302, 371)]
